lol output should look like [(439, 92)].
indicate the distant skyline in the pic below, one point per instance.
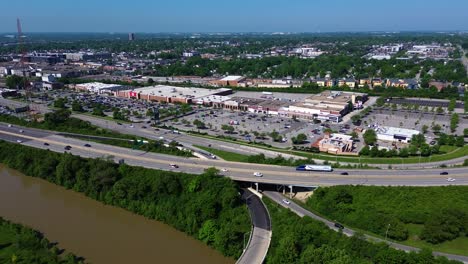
[(234, 16)]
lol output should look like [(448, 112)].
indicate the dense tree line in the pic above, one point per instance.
[(443, 211), (207, 207), (304, 240), (22, 245)]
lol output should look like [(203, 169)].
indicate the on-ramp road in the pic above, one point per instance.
[(261, 233)]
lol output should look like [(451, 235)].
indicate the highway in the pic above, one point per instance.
[(260, 236), (235, 170), (190, 140), (300, 211), (183, 138)]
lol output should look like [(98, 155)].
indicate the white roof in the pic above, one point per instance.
[(180, 92), (97, 85), (232, 78), (391, 131)]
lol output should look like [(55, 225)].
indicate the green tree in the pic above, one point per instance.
[(60, 103), (199, 124), (452, 104), (76, 106), (454, 122), (436, 128), (15, 82), (299, 139), (425, 129), (370, 137), (356, 119), (228, 129)]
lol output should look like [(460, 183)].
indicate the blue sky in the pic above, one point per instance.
[(233, 15)]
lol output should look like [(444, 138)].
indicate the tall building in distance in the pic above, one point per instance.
[(131, 36)]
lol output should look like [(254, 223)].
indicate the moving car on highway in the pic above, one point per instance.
[(258, 174), (19, 141), (450, 179), (68, 147), (444, 173), (286, 201), (175, 166), (87, 145)]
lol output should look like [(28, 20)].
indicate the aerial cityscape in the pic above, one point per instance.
[(241, 132)]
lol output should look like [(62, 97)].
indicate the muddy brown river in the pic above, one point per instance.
[(99, 233)]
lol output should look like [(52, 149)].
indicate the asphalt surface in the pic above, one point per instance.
[(185, 139), (260, 239), (278, 198), (235, 170), (190, 140)]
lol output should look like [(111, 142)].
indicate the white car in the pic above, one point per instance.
[(258, 174), (450, 179), (132, 126), (21, 131), (9, 125), (19, 141), (224, 170), (286, 201)]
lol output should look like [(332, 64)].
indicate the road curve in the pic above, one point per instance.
[(260, 238), (300, 211)]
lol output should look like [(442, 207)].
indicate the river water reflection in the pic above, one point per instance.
[(100, 233)]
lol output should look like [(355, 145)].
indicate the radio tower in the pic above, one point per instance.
[(22, 50)]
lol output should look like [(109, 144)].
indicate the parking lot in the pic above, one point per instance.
[(250, 127), (413, 120)]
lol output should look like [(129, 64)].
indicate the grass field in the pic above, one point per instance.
[(225, 155), (451, 152)]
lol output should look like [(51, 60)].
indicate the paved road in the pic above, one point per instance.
[(185, 139), (236, 171), (277, 197), (261, 234), (190, 140)]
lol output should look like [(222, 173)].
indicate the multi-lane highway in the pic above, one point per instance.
[(190, 140), (235, 170)]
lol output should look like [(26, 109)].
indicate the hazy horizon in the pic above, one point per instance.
[(208, 16)]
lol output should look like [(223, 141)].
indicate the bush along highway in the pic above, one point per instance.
[(304, 240), (61, 121), (424, 217), (19, 244), (206, 206)]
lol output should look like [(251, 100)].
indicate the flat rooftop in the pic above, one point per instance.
[(384, 130), (334, 97), (181, 92)]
